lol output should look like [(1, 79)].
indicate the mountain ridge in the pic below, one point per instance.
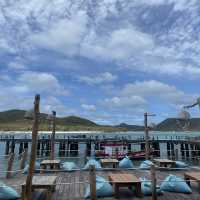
[(14, 120)]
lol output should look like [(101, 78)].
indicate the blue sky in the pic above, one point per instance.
[(107, 60)]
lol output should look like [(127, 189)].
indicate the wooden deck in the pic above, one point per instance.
[(76, 191)]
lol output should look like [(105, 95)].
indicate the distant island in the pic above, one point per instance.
[(13, 120)]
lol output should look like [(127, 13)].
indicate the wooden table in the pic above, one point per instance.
[(52, 164), (165, 163), (125, 180), (192, 176), (109, 161), (42, 182)]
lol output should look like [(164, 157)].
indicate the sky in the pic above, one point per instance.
[(106, 60)]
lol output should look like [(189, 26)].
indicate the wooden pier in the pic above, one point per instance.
[(178, 148), (71, 185)]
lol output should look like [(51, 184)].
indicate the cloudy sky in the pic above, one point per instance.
[(106, 60)]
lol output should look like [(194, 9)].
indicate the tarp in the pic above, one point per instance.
[(146, 164), (180, 164), (94, 162), (7, 193), (69, 166), (146, 187), (37, 167), (126, 163), (174, 183), (103, 188)]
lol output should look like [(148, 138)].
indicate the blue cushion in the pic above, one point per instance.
[(146, 164), (8, 193), (69, 166), (37, 167), (174, 183), (126, 163), (146, 187), (103, 188), (92, 162), (180, 164)]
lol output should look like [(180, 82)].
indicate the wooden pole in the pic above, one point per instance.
[(153, 182), (176, 154), (146, 136), (23, 159), (28, 187), (10, 164), (53, 136), (92, 177)]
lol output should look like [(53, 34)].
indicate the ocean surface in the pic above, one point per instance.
[(79, 160)]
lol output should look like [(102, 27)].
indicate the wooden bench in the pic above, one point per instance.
[(125, 180), (165, 163), (51, 164), (192, 176), (109, 161), (47, 183)]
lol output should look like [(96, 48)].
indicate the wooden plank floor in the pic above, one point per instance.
[(73, 191)]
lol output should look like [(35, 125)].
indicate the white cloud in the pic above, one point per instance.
[(42, 83), (83, 29), (105, 77), (5, 47), (120, 44), (19, 93), (16, 65), (87, 107), (178, 4), (135, 101), (50, 103), (158, 90), (63, 36)]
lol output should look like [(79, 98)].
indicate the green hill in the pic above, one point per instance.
[(175, 124), (131, 127), (12, 116), (14, 120)]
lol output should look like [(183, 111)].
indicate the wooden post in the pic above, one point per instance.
[(153, 182), (146, 136), (92, 177), (53, 135), (10, 164), (23, 159), (176, 154), (7, 148), (85, 156), (28, 187)]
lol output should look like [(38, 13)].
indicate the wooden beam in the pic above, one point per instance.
[(146, 129), (92, 177), (53, 136), (10, 164), (28, 187), (24, 158), (153, 182)]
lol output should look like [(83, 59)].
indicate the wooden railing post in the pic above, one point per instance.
[(10, 164), (153, 182), (28, 187), (146, 129), (92, 177), (176, 154), (53, 135), (23, 159)]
